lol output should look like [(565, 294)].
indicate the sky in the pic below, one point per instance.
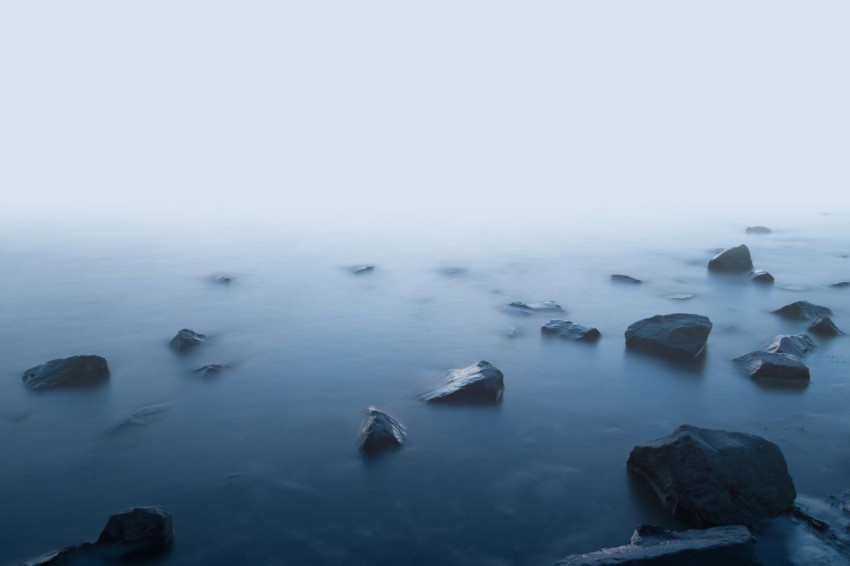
[(322, 111)]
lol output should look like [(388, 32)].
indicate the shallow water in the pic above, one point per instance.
[(258, 464)]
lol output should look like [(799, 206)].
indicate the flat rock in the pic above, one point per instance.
[(187, 339), (142, 416), (379, 432), (571, 330), (798, 345), (518, 307), (802, 310), (655, 546), (625, 279), (676, 335), (362, 269), (480, 382), (732, 260), (67, 372), (774, 367), (758, 230), (823, 326), (760, 276), (710, 478)]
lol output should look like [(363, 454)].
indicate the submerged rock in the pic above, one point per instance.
[(677, 335), (141, 416), (625, 279), (210, 370), (187, 339), (841, 285), (760, 276), (571, 330), (823, 326), (379, 432), (732, 260), (802, 310), (655, 546), (798, 345), (479, 382), (65, 372), (709, 478), (774, 367), (361, 269), (519, 307), (758, 230)]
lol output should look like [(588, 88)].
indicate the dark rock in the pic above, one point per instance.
[(732, 260), (187, 339), (63, 372), (479, 382), (223, 280), (361, 269), (624, 279), (379, 431), (654, 546), (802, 310), (758, 230), (518, 307), (813, 522), (774, 367), (571, 330), (709, 478), (798, 345), (841, 285), (677, 335), (138, 529), (210, 370), (761, 276), (823, 326)]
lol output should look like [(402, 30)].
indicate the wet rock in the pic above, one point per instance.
[(774, 367), (362, 269), (571, 330), (758, 230), (760, 276), (709, 478), (802, 310), (67, 372), (625, 279), (210, 370), (480, 382), (823, 326), (841, 285), (187, 339), (732, 260), (676, 335), (518, 307), (798, 345), (379, 432), (655, 546)]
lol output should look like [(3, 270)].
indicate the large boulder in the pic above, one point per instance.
[(63, 372), (518, 307), (824, 327), (732, 260), (654, 546), (710, 478), (480, 382), (769, 366), (677, 335), (802, 310), (187, 339), (379, 432), (798, 345), (570, 330)]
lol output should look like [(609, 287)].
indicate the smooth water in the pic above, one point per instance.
[(259, 465)]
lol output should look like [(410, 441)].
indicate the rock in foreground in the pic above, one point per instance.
[(676, 335), (732, 260), (710, 478), (379, 432), (654, 546), (481, 382), (802, 310), (187, 339), (798, 345), (76, 370), (774, 367), (824, 327), (571, 330)]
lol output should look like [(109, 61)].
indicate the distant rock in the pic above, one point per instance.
[(676, 335), (210, 370), (67, 372), (681, 296), (379, 432), (452, 271), (841, 285), (187, 339), (655, 546), (518, 307), (758, 230), (223, 280), (625, 279), (802, 310), (760, 276), (824, 327), (571, 330), (481, 382), (732, 260), (798, 345), (710, 478), (362, 269), (774, 367)]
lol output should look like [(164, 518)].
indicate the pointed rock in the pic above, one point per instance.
[(379, 432), (187, 339), (802, 310), (823, 326), (732, 260), (480, 382)]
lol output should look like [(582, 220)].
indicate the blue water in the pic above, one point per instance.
[(259, 465)]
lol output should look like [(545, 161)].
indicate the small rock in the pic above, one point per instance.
[(361, 269), (187, 339), (571, 330), (223, 280), (676, 335), (210, 370), (758, 230), (760, 276), (798, 345), (841, 285), (62, 372), (681, 296), (479, 382), (625, 279), (732, 260), (380, 431), (823, 326), (802, 310), (774, 367), (519, 307)]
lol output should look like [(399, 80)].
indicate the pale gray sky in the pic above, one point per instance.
[(326, 109)]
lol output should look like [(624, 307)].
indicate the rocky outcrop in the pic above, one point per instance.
[(480, 382), (186, 340), (760, 276), (824, 327), (518, 307), (379, 432), (802, 310), (676, 335), (654, 546), (758, 230), (735, 259), (625, 279), (774, 367), (798, 345), (570, 330), (67, 372), (710, 478)]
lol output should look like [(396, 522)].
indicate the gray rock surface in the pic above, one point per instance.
[(571, 330), (379, 432), (802, 310), (518, 307), (710, 478), (187, 339), (823, 326), (760, 276), (774, 367), (676, 335), (64, 372), (654, 546), (758, 230), (732, 260), (797, 344), (481, 382), (625, 279)]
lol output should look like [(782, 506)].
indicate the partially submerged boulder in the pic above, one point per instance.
[(760, 276), (67, 372), (709, 478), (655, 546), (187, 339), (379, 432), (823, 326), (518, 307), (798, 345), (732, 260), (758, 230), (774, 367), (571, 330), (802, 310), (676, 335), (625, 279), (481, 382)]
